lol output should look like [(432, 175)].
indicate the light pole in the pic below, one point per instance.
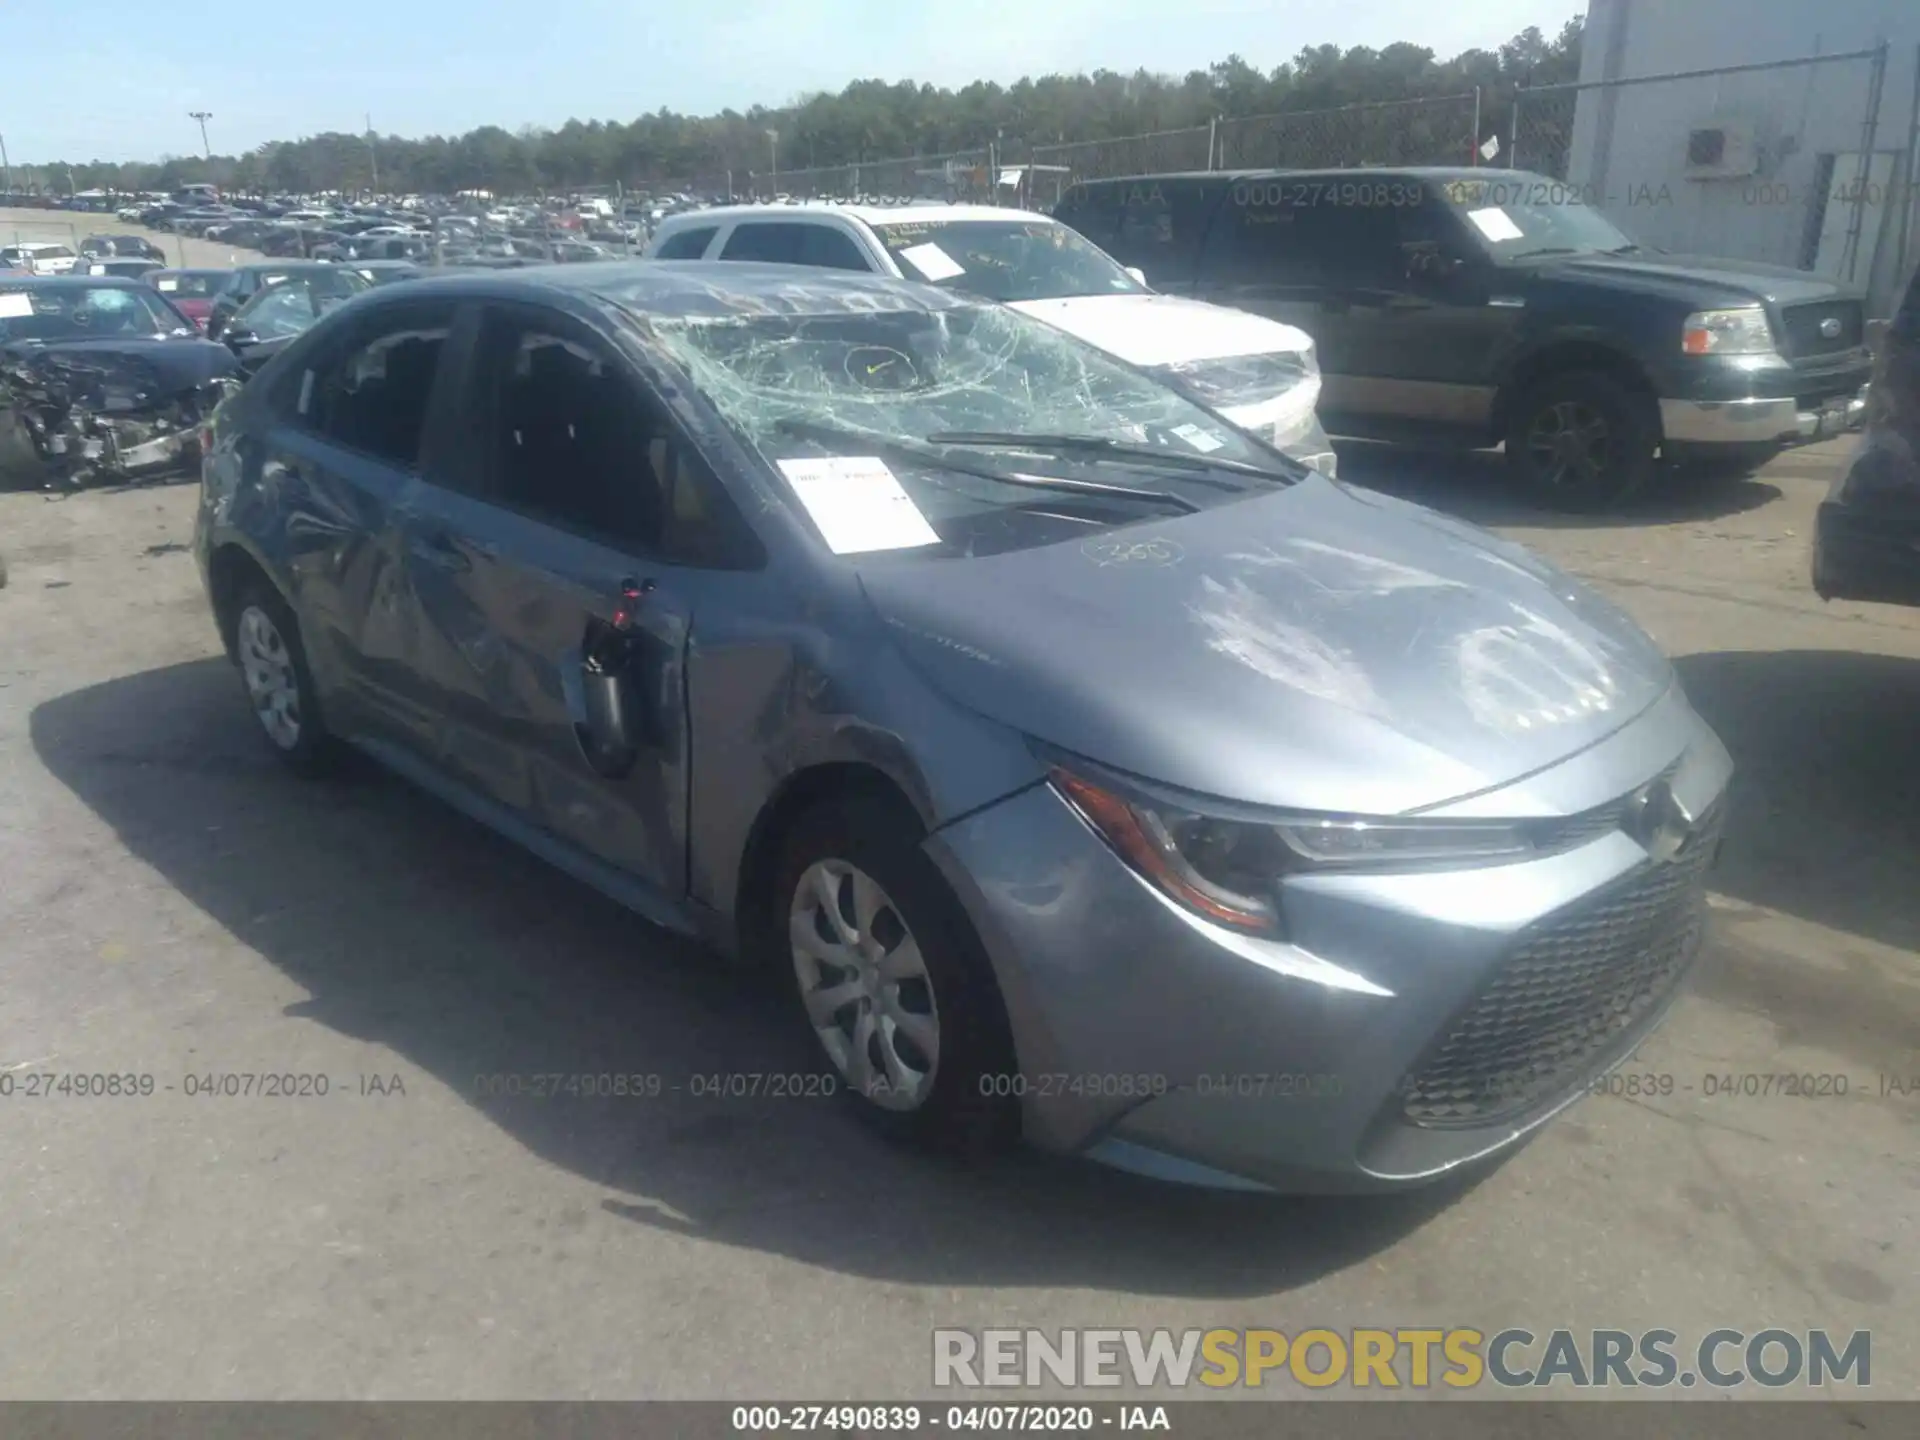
[(6, 169), (773, 156), (203, 116), (373, 158)]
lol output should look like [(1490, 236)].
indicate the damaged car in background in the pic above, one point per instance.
[(1866, 542), (109, 382)]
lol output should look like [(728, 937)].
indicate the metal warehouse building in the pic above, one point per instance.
[(1775, 130)]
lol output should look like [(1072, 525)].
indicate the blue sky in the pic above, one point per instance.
[(115, 79)]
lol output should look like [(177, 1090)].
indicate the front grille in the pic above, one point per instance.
[(1575, 989), (1803, 324)]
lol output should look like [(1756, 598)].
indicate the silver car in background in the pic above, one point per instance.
[(1091, 771)]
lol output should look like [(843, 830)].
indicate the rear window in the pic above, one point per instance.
[(191, 284)]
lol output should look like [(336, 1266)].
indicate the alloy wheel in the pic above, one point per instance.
[(865, 985), (1571, 444)]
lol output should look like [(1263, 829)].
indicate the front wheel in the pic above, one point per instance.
[(1582, 441), (891, 978)]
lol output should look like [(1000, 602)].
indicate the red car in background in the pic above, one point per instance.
[(191, 291)]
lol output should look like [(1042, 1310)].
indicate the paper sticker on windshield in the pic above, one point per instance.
[(1495, 224), (1203, 441), (13, 306), (168, 284), (857, 504), (931, 261)]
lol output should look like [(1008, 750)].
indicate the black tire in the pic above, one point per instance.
[(964, 1108), (312, 752), (1610, 437)]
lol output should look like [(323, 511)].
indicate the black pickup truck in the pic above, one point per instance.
[(1474, 307)]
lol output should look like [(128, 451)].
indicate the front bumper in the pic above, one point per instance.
[(1761, 421), (1153, 1040)]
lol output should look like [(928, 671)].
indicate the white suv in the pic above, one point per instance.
[(1258, 373)]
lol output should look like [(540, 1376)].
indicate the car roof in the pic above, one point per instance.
[(36, 245), (939, 214), (194, 270), (1422, 172), (68, 282), (715, 288)]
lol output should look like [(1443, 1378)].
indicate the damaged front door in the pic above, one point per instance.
[(562, 633)]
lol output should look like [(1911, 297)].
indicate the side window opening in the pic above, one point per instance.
[(576, 441), (688, 244), (374, 398)]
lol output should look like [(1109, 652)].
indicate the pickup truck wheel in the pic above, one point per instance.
[(1582, 441)]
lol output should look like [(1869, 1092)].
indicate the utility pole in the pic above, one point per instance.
[(373, 157), (203, 116), (6, 169)]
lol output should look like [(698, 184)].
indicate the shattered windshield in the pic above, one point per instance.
[(1005, 260), (81, 312), (976, 412)]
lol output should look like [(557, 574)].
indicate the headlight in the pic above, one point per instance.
[(1728, 332), (1234, 382), (1230, 870)]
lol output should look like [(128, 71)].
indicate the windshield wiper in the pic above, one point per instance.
[(927, 454), (1625, 250), (1098, 446)]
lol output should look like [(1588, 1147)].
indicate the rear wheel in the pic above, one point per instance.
[(1582, 441), (891, 978), (273, 667)]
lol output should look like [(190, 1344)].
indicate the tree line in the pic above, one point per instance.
[(867, 122)]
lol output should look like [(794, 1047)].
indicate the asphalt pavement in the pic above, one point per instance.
[(174, 906)]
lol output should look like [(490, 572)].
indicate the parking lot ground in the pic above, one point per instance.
[(69, 227), (173, 904)]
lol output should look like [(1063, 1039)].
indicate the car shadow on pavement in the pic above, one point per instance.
[(1475, 486), (413, 928), (1823, 826)]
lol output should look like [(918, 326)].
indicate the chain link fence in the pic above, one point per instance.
[(964, 175), (1430, 130), (1790, 162)]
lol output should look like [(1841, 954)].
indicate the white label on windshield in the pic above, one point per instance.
[(168, 284), (1496, 224), (931, 261), (857, 504), (1201, 440), (15, 305)]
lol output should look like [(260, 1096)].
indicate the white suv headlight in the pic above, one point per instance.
[(1728, 332)]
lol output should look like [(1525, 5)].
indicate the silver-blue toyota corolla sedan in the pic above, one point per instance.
[(1091, 772)]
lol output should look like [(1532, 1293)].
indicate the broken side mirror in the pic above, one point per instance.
[(1137, 275)]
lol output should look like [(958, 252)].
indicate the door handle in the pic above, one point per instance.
[(438, 549)]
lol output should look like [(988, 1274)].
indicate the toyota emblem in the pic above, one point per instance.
[(1830, 327)]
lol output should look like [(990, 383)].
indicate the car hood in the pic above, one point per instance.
[(156, 367), (1319, 648), (1164, 329), (1689, 274)]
